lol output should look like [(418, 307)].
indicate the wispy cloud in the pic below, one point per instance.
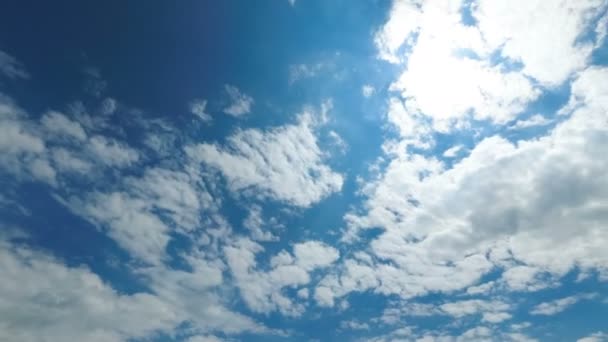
[(240, 103)]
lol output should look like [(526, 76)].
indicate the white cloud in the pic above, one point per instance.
[(465, 86), (354, 325), (240, 103), (559, 305), (367, 90), (303, 293), (283, 163), (313, 254), (14, 137), (58, 124), (550, 53), (61, 303), (595, 337), (262, 291), (452, 151), (22, 150), (65, 161), (490, 311), (129, 221), (256, 224), (542, 199), (198, 107), (208, 338), (337, 141), (525, 278), (534, 121), (493, 311), (108, 106), (11, 67), (42, 170), (404, 20), (451, 70), (141, 216), (111, 152), (299, 72)]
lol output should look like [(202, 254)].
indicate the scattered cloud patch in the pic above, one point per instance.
[(283, 163), (11, 67), (240, 103), (534, 121), (198, 108), (559, 305)]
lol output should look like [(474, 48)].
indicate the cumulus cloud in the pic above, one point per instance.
[(448, 59), (240, 103), (262, 291), (501, 196), (284, 163)]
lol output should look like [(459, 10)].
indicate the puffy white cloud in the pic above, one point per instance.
[(559, 305), (525, 31), (540, 200), (314, 254), (452, 71), (284, 163), (404, 20), (240, 103), (466, 86), (493, 311), (262, 291)]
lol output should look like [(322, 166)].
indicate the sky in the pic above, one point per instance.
[(304, 170)]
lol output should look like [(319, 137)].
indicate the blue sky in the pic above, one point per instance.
[(304, 171)]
